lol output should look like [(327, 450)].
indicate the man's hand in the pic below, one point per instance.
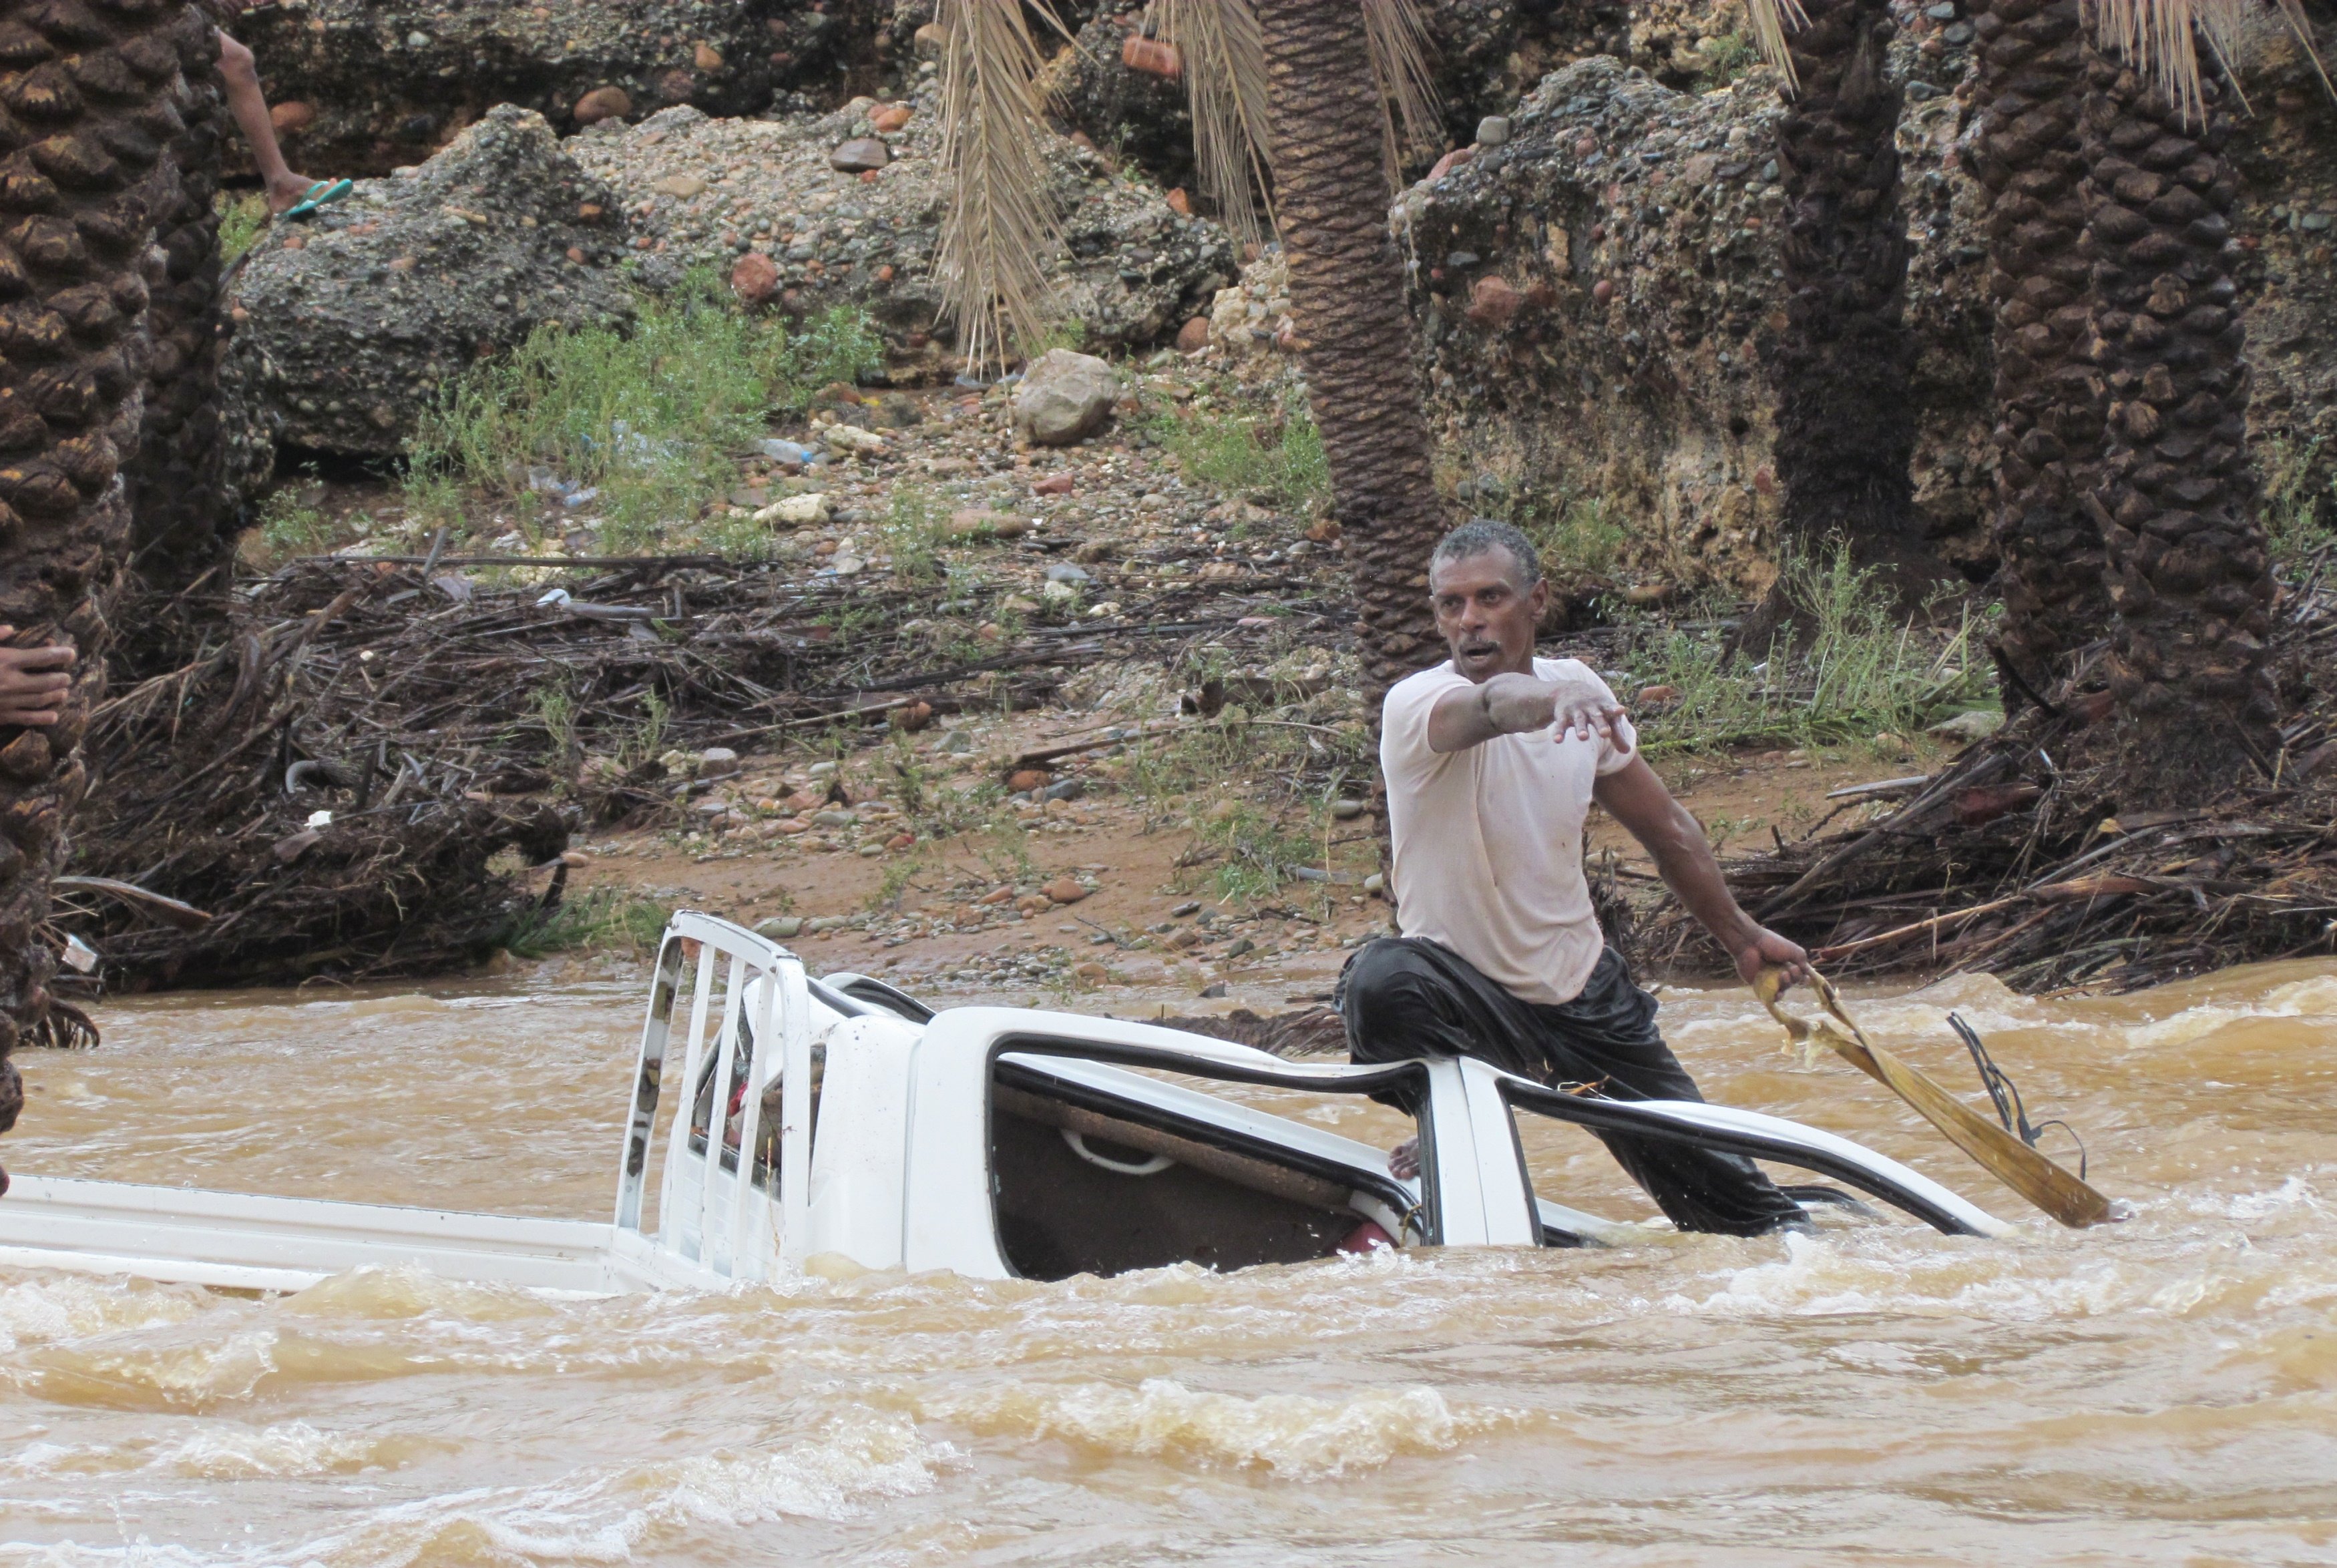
[(34, 681), (1403, 1160), (1767, 949), (1577, 707)]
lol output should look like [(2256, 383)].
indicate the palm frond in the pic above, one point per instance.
[(1771, 20), (2219, 25), (1224, 85), (2160, 37), (1400, 49), (2300, 26), (1002, 227)]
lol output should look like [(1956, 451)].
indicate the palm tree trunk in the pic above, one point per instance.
[(1845, 423), (181, 535), (2029, 89), (86, 89), (1354, 337), (2189, 576)]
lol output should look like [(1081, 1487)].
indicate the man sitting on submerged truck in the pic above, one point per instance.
[(1492, 761)]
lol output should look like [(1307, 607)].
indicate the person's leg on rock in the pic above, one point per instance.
[(250, 106)]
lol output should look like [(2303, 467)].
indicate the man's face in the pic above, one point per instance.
[(1484, 617)]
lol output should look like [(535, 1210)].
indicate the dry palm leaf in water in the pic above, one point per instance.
[(2015, 1164)]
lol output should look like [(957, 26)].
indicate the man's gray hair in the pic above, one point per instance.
[(1482, 536)]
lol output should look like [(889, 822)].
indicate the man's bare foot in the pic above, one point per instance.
[(287, 191), (1403, 1160)]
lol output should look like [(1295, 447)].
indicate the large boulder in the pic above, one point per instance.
[(1064, 398), (1139, 116), (706, 192), (355, 321), (360, 86), (1599, 299)]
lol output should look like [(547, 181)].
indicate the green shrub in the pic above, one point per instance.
[(603, 919), (1862, 670), (1066, 332), (290, 525), (1580, 541), (2300, 511), (243, 219), (1275, 459), (840, 345), (914, 528), (652, 415), (1726, 56)]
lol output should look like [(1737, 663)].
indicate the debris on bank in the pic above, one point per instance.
[(2027, 858), (376, 772)]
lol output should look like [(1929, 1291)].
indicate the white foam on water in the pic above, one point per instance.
[(228, 1453), (409, 1290), (66, 1458), (182, 1374), (2293, 1194), (834, 1478), (136, 1552), (47, 1308), (1818, 1277), (1288, 1435), (2312, 997), (612, 1516)]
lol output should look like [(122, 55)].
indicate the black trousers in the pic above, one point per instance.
[(1406, 997)]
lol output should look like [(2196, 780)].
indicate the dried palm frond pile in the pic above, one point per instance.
[(457, 733), (2028, 857)]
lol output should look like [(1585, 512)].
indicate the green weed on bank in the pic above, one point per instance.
[(2299, 504), (243, 219), (652, 415), (290, 524), (1579, 539), (1274, 785), (1274, 459), (600, 920), (1864, 669)]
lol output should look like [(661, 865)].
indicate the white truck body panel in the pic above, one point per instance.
[(900, 1171)]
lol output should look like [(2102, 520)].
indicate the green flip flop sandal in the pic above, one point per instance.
[(320, 194)]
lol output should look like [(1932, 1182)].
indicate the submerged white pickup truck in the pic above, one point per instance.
[(789, 1117)]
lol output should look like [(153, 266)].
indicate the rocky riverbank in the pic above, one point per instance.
[(906, 555)]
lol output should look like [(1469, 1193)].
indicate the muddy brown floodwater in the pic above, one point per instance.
[(2160, 1392)]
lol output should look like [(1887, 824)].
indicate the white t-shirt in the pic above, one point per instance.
[(1489, 840)]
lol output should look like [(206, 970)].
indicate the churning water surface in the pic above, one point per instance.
[(2163, 1391)]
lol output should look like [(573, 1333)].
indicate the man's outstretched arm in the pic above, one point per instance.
[(1638, 799), (1516, 704)]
